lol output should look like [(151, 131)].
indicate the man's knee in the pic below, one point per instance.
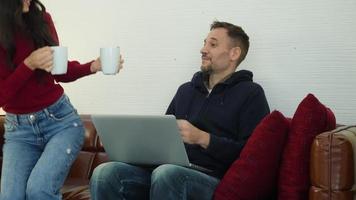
[(110, 172), (102, 171), (169, 174), (106, 171)]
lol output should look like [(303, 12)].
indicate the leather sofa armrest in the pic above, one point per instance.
[(332, 166)]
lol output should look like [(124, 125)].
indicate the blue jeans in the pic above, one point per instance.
[(39, 150), (116, 180)]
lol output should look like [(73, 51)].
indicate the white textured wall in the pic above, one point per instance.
[(297, 47)]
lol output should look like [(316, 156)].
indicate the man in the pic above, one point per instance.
[(216, 113)]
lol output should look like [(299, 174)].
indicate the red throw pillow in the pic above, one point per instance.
[(310, 119), (255, 174)]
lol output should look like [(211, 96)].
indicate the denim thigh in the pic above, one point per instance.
[(19, 158), (117, 180), (176, 182), (53, 138)]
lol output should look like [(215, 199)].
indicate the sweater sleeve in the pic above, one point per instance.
[(253, 111), (12, 83), (75, 69)]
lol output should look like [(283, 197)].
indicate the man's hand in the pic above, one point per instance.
[(192, 135), (96, 65)]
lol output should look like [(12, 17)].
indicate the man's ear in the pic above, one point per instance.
[(235, 53)]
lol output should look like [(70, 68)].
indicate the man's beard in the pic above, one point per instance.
[(206, 70)]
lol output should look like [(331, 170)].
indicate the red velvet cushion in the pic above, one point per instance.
[(254, 175), (310, 119)]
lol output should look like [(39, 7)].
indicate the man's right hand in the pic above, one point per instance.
[(41, 58), (192, 135)]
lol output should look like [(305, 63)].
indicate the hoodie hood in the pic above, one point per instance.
[(240, 76)]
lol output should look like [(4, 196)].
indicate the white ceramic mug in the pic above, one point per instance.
[(110, 59), (60, 60)]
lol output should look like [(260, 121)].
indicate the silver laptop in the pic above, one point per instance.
[(142, 139)]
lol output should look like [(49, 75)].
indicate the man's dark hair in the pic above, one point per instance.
[(237, 35)]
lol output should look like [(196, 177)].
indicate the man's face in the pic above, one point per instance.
[(215, 53)]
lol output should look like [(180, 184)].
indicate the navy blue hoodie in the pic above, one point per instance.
[(229, 114)]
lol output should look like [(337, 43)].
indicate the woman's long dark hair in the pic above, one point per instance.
[(32, 24)]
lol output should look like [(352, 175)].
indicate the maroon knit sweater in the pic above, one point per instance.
[(21, 89)]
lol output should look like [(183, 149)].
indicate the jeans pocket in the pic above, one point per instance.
[(62, 116), (10, 125), (64, 111)]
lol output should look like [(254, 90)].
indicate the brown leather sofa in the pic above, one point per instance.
[(332, 164)]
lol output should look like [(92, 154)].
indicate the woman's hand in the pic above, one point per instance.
[(41, 58), (96, 65)]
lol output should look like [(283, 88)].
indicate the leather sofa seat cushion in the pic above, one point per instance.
[(76, 189), (325, 194)]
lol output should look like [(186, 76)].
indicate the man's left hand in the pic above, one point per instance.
[(96, 65)]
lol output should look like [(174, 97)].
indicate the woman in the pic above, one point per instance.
[(43, 132)]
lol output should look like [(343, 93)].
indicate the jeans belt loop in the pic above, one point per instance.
[(17, 119), (48, 114)]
